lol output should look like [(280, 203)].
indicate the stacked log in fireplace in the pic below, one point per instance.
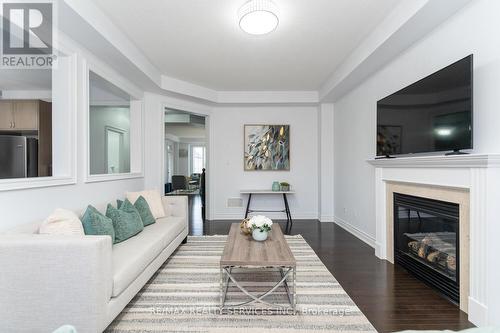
[(437, 249)]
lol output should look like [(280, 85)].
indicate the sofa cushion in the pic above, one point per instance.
[(62, 222), (153, 198), (143, 208), (126, 221), (94, 223), (132, 256)]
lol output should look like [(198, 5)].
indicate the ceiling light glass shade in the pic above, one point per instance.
[(258, 17)]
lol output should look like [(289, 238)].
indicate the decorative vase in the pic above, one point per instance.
[(276, 186), (259, 235), (244, 227)]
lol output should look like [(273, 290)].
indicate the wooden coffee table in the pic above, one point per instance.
[(241, 251)]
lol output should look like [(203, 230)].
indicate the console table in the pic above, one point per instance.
[(289, 221)]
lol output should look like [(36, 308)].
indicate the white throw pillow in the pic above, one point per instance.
[(153, 199), (62, 222)]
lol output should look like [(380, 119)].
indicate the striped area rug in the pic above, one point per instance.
[(183, 296)]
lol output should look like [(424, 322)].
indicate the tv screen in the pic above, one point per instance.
[(431, 115)]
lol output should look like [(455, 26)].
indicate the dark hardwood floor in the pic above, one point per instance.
[(389, 297)]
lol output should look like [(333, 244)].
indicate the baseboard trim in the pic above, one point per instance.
[(478, 313), (327, 218), (363, 236), (379, 252)]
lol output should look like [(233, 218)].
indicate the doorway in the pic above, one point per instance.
[(114, 150), (185, 162)]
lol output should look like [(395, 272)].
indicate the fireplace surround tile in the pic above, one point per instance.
[(459, 196)]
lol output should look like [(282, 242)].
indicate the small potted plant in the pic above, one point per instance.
[(260, 226), (285, 186)]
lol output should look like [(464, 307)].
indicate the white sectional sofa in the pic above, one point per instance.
[(47, 281)]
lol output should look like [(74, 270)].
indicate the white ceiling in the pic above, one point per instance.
[(199, 41)]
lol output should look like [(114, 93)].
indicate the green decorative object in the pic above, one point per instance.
[(285, 186), (144, 211), (276, 186), (119, 203), (126, 221), (94, 223)]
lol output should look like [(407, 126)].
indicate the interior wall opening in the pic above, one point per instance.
[(185, 161)]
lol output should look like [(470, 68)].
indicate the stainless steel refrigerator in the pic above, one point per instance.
[(18, 157)]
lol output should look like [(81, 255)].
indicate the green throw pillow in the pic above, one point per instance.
[(126, 221), (94, 223), (143, 208)]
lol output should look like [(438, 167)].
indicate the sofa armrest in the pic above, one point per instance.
[(47, 281), (176, 206)]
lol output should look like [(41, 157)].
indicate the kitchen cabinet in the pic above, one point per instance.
[(26, 115), (19, 115), (6, 115)]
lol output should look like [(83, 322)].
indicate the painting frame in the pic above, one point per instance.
[(273, 162)]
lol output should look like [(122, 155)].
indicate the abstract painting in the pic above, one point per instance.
[(267, 147)]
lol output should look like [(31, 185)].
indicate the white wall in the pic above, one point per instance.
[(30, 205), (326, 163), (227, 160), (34, 204), (471, 30), (225, 175)]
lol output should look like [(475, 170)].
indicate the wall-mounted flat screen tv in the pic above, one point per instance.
[(431, 115)]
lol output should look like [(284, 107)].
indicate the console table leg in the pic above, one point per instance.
[(248, 205), (289, 220)]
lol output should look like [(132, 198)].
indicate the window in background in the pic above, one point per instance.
[(109, 127), (197, 159)]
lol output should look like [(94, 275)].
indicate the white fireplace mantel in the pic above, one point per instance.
[(480, 175), (452, 161)]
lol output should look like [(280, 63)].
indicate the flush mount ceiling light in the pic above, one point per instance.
[(258, 17)]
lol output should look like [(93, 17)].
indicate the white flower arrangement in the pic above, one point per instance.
[(260, 222)]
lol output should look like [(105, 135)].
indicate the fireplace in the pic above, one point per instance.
[(426, 241)]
